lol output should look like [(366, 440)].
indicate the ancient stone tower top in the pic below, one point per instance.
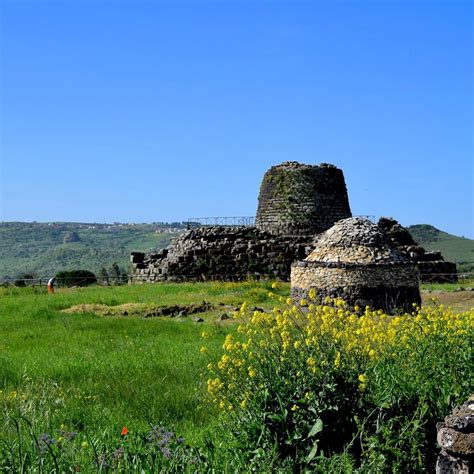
[(299, 199)]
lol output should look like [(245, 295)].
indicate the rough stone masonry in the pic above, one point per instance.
[(298, 199), (296, 202), (456, 440), (354, 260)]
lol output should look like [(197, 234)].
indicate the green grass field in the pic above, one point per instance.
[(100, 373), (93, 374)]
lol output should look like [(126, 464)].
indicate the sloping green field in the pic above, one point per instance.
[(453, 248)]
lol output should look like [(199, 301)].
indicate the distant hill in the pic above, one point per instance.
[(43, 249), (453, 248)]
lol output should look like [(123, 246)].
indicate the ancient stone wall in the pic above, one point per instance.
[(224, 253), (433, 267), (386, 286), (297, 199)]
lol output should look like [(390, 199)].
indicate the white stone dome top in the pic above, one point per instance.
[(354, 240)]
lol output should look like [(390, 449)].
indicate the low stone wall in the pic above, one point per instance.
[(433, 267), (438, 271), (224, 253), (456, 439), (390, 286)]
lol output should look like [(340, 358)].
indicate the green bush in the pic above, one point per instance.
[(329, 388), (24, 280), (75, 278)]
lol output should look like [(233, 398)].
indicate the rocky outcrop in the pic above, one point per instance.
[(355, 261), (456, 439), (433, 267)]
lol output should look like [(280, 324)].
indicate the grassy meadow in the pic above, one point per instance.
[(71, 381), (95, 374)]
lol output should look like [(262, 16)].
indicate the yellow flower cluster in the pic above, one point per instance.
[(322, 336)]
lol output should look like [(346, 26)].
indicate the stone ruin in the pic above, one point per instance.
[(456, 439), (297, 199), (223, 253), (296, 202), (354, 260), (433, 267)]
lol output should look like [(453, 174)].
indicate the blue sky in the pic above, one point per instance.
[(156, 110)]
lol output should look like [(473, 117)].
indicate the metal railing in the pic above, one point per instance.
[(236, 221)]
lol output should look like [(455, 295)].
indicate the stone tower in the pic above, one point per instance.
[(354, 260), (299, 199)]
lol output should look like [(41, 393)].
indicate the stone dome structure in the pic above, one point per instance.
[(354, 260), (299, 199)]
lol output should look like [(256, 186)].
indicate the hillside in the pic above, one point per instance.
[(453, 248), (44, 249)]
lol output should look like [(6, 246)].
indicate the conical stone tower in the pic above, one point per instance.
[(298, 199)]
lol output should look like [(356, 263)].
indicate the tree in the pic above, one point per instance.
[(117, 274), (103, 276)]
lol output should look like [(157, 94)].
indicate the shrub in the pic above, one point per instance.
[(76, 278), (24, 280), (325, 384)]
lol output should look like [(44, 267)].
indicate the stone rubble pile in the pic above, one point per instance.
[(456, 439)]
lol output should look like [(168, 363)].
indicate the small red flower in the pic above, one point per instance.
[(124, 431)]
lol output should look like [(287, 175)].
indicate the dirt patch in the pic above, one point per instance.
[(140, 309), (106, 310), (458, 300), (179, 310)]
